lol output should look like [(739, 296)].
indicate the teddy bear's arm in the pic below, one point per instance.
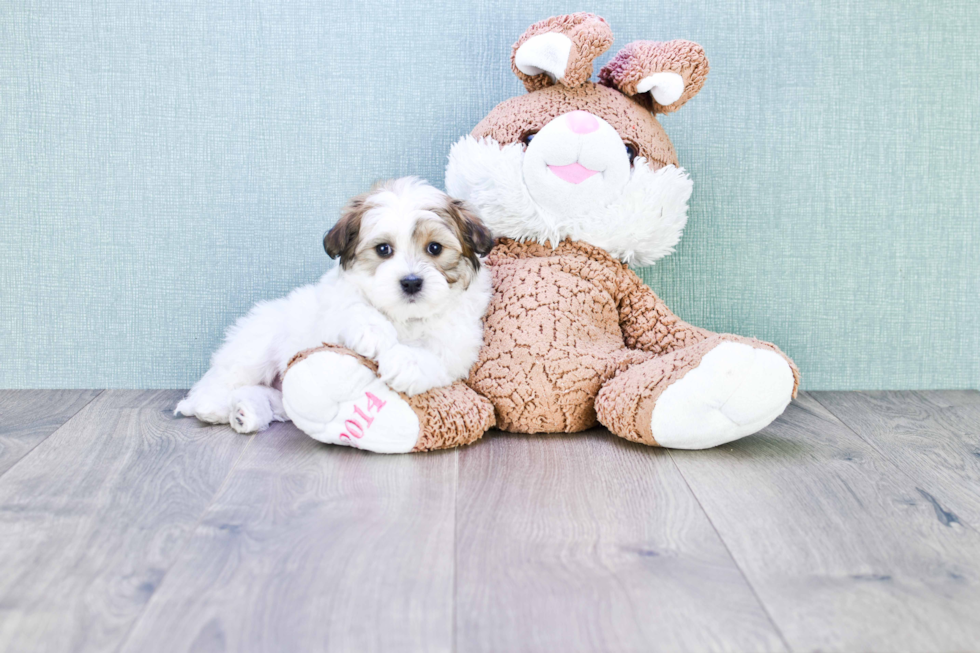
[(647, 323)]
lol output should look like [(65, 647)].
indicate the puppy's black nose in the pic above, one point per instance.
[(411, 284)]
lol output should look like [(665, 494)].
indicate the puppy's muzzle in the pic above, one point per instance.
[(411, 285)]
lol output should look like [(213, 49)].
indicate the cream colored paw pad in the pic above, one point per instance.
[(335, 399), (735, 391)]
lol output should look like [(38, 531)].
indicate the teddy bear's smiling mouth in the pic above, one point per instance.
[(573, 173)]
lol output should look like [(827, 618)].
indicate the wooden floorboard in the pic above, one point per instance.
[(851, 523), (29, 416), (844, 548), (312, 547), (92, 518), (590, 543), (934, 437)]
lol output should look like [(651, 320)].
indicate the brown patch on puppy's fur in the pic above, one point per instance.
[(473, 238), (450, 261), (366, 258), (341, 240)]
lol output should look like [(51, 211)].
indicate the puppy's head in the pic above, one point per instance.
[(408, 246)]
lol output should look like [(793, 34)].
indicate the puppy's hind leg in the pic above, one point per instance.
[(240, 373), (254, 407), (210, 398)]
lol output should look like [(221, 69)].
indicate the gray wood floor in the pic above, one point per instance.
[(852, 523)]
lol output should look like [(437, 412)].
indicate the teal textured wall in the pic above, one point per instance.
[(164, 165)]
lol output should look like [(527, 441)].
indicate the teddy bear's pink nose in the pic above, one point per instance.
[(582, 122)]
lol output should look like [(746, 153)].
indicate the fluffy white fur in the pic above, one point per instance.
[(420, 341), (640, 226)]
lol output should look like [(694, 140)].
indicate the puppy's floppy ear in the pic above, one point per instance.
[(342, 238), (474, 236)]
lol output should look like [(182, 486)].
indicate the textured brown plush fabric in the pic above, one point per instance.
[(565, 324), (451, 416), (572, 335), (526, 114), (590, 36), (643, 58)]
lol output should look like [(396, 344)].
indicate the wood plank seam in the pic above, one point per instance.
[(943, 514), (590, 542), (755, 593), (452, 632), (44, 439), (336, 548), (846, 553), (187, 543)]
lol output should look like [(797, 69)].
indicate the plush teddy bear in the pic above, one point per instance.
[(576, 180)]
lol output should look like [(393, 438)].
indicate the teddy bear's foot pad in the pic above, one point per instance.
[(735, 390), (334, 398)]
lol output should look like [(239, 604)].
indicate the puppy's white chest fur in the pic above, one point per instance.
[(456, 332), (452, 331)]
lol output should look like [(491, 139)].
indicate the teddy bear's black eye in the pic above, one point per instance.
[(383, 250), (434, 249), (631, 153), (527, 138)]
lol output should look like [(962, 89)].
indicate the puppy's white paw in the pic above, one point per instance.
[(335, 399), (253, 408), (369, 341), (410, 370), (247, 418), (206, 409), (735, 390), (184, 407)]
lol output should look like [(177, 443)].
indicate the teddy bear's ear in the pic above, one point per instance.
[(661, 76), (560, 50)]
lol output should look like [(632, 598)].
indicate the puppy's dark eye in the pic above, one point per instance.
[(434, 249), (631, 153), (384, 250), (527, 138)]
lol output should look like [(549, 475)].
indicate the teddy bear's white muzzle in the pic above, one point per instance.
[(575, 164)]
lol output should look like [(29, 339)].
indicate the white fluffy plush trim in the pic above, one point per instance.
[(666, 88), (544, 53), (639, 228)]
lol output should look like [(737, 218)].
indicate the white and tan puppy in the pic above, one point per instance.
[(409, 293)]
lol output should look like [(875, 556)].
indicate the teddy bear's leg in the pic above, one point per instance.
[(451, 416), (335, 396), (712, 392)]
